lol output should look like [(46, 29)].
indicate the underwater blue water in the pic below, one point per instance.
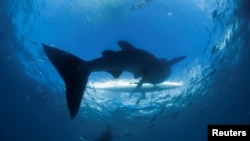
[(214, 35)]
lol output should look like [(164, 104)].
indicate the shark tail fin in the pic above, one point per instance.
[(176, 60), (74, 72)]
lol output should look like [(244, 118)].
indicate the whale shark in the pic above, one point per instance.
[(76, 71)]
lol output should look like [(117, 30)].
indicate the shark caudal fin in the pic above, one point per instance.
[(176, 60), (73, 71)]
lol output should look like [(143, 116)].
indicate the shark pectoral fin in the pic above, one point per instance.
[(115, 73), (176, 60), (73, 71)]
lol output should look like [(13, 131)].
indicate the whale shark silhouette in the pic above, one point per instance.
[(75, 71)]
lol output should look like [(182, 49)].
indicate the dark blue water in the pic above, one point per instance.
[(214, 35)]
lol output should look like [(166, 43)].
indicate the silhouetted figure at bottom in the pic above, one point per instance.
[(106, 136)]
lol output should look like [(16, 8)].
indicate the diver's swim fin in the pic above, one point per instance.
[(74, 72)]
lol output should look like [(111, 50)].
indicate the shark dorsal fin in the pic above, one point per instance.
[(124, 45)]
